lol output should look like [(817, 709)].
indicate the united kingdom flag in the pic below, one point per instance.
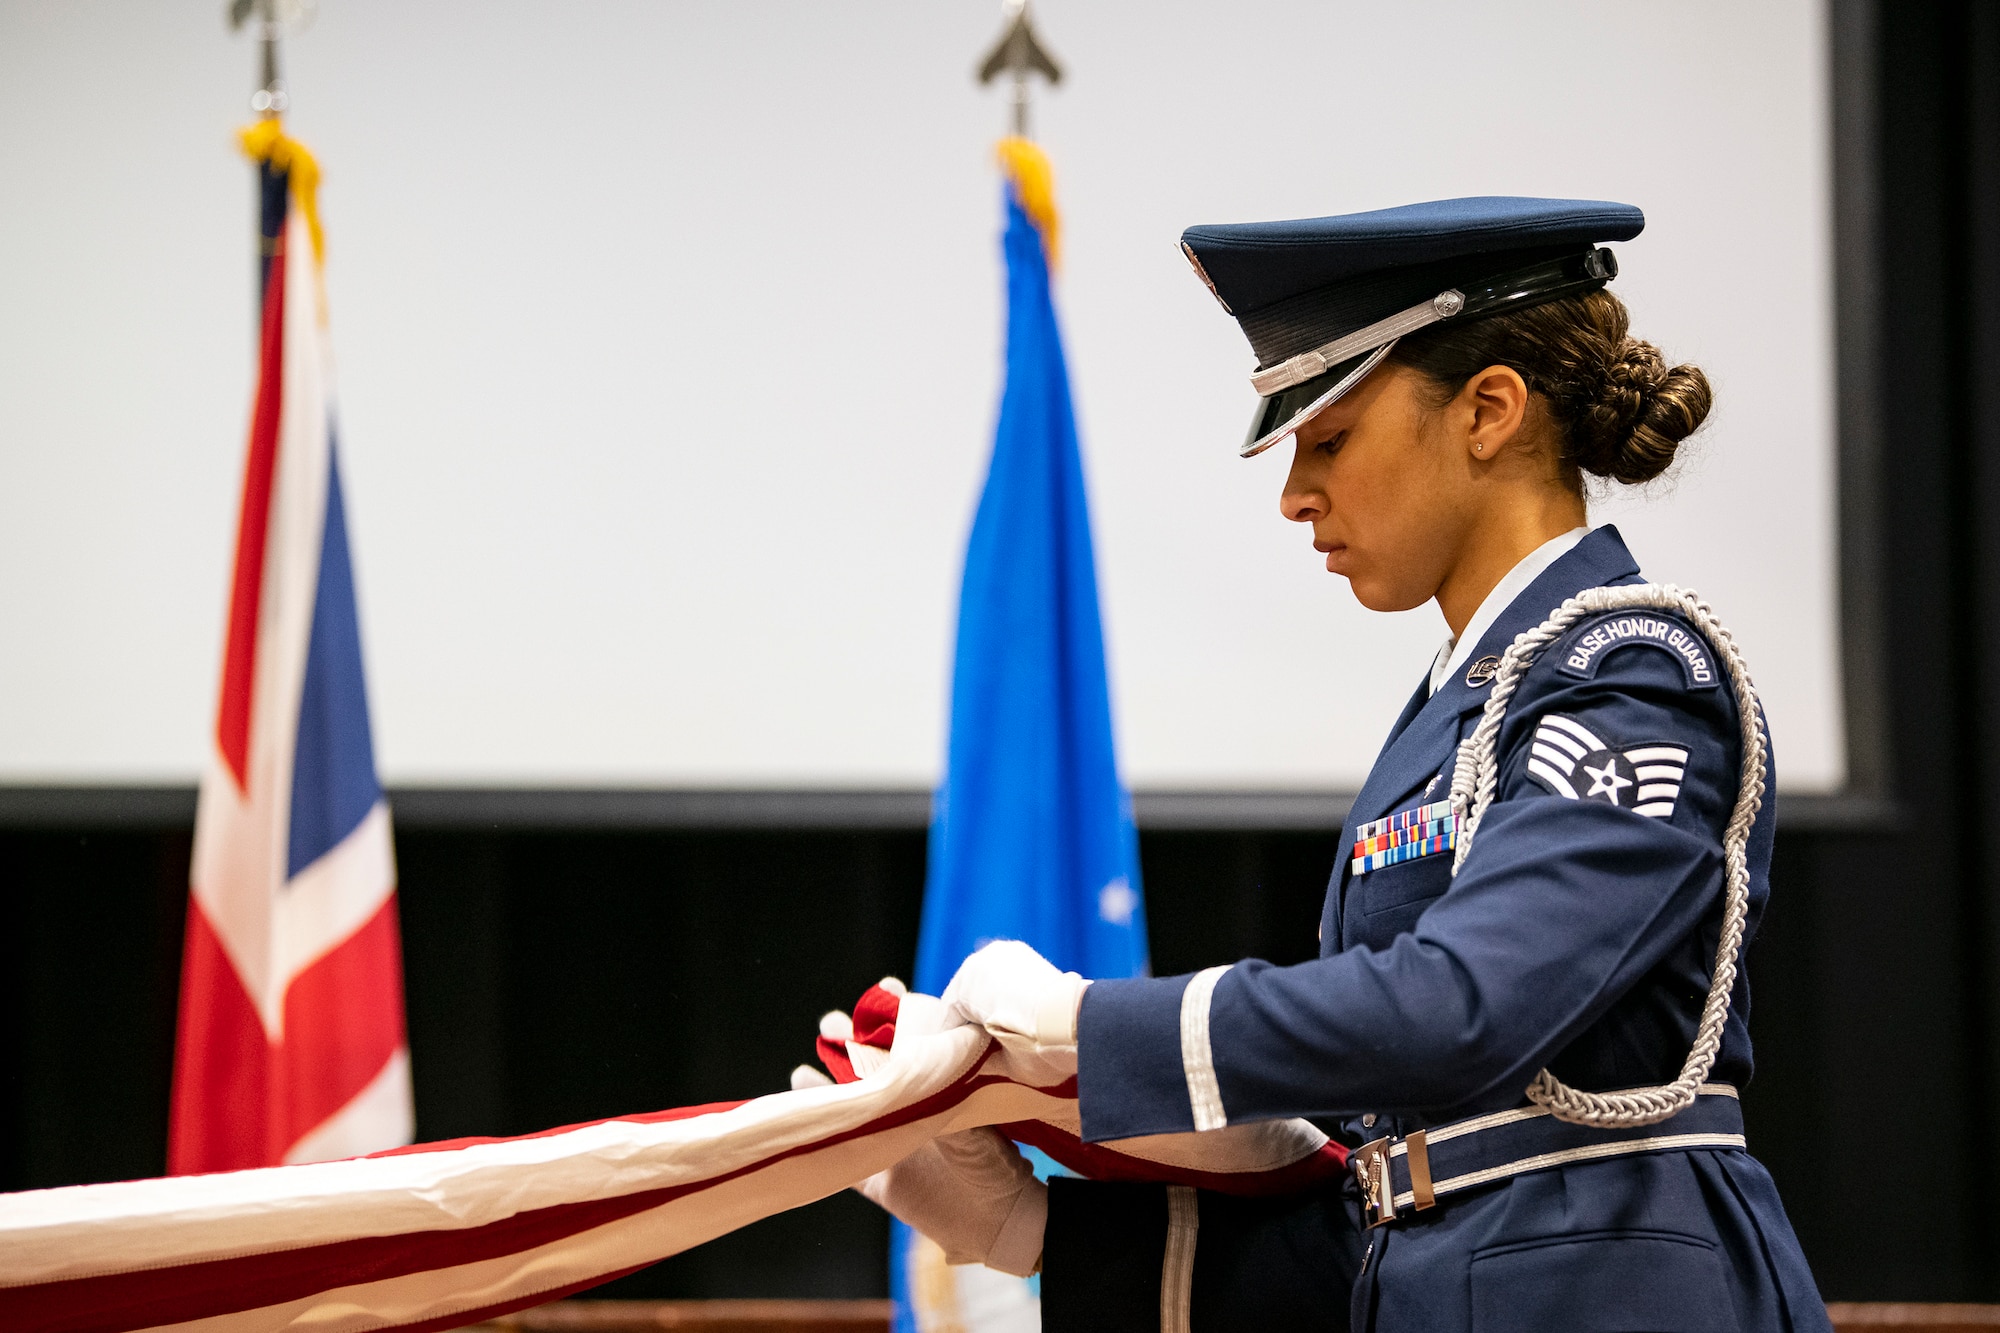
[(291, 1045)]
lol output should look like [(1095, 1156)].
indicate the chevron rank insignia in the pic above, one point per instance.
[(1570, 760)]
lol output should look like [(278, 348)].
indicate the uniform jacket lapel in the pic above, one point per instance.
[(1425, 735)]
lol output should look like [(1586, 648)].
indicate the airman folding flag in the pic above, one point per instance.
[(291, 1045)]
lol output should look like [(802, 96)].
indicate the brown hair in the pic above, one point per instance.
[(1621, 409)]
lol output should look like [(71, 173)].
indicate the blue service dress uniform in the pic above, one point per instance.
[(1579, 935)]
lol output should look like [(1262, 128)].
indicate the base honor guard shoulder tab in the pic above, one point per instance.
[(1584, 648)]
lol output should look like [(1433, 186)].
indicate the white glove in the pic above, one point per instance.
[(974, 1194), (1018, 996)]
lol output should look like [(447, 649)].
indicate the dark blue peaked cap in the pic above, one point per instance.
[(1322, 300)]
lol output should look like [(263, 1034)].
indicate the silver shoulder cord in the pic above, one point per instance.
[(1477, 775)]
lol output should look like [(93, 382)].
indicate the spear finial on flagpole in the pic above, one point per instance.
[(273, 17), (1019, 52)]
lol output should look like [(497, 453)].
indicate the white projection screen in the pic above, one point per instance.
[(670, 342)]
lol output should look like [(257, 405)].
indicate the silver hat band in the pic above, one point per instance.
[(1306, 365), (1290, 421)]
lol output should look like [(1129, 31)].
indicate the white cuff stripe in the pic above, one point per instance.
[(1197, 1056)]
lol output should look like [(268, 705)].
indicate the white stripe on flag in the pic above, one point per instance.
[(329, 900), (380, 1113), (242, 838), (688, 1180)]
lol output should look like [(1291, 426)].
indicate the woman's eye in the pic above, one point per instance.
[(1332, 443)]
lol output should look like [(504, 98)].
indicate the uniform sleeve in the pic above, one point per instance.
[(1564, 903)]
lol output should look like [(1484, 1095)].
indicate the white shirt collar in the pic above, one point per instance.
[(1454, 652)]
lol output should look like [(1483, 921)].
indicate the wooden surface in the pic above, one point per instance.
[(873, 1317), (698, 1317), (1915, 1318)]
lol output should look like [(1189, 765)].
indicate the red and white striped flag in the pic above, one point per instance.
[(445, 1234), (291, 1045)]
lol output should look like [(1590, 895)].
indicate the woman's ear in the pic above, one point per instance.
[(1493, 403)]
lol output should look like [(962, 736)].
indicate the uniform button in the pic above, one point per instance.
[(1368, 1121)]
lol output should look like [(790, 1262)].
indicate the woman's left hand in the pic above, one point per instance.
[(974, 1194), (1030, 1007)]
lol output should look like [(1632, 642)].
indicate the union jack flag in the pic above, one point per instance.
[(291, 1043)]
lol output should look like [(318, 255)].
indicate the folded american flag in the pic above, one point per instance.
[(444, 1234)]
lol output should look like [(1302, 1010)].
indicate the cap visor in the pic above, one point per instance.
[(1282, 413)]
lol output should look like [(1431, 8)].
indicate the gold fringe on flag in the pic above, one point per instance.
[(1028, 171)]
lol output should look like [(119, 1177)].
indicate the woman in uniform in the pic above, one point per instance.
[(1528, 1016)]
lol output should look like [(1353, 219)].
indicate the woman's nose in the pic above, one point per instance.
[(1300, 506), (1300, 501)]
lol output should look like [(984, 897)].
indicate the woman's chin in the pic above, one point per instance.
[(1378, 596)]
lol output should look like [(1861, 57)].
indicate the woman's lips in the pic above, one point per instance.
[(1336, 556)]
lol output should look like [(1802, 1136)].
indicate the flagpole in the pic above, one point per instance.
[(270, 101), (1019, 53)]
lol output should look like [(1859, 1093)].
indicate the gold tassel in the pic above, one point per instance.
[(266, 141), (1034, 182)]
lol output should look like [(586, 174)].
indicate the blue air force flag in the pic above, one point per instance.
[(1031, 833), (1032, 837)]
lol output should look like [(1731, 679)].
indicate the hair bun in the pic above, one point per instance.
[(1620, 410), (1639, 414)]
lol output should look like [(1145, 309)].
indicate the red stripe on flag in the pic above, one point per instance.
[(221, 1066), (239, 1101), (116, 1302), (343, 1021), (239, 658), (1095, 1161)]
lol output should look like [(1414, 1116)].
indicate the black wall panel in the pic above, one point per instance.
[(562, 976)]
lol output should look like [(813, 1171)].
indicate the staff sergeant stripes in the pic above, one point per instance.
[(1562, 745)]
